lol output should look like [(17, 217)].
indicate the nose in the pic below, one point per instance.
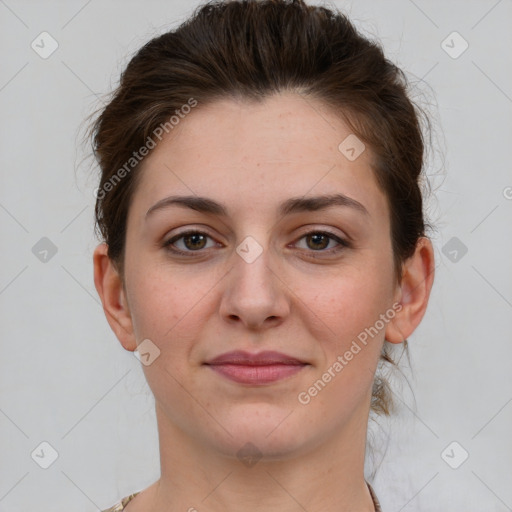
[(255, 294)]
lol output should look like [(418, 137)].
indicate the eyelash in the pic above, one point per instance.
[(343, 244)]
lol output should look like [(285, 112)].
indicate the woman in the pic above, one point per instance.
[(263, 247)]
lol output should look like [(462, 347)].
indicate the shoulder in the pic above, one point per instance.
[(118, 507)]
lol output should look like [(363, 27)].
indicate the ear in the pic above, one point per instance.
[(413, 292), (109, 286)]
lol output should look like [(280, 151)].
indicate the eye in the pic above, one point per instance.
[(193, 241), (318, 241)]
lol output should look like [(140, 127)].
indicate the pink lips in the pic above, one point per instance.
[(256, 369)]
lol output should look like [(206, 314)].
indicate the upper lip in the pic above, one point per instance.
[(266, 357)]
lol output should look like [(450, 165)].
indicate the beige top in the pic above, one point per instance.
[(118, 507)]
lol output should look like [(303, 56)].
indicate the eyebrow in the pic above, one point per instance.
[(292, 205)]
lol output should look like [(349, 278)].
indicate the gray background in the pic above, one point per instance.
[(64, 377)]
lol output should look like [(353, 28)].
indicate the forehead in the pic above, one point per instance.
[(258, 153), (291, 126)]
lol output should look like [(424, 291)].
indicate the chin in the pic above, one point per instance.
[(269, 435)]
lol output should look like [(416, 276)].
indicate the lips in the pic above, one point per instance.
[(268, 357), (256, 369)]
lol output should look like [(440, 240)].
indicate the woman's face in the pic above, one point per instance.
[(266, 273)]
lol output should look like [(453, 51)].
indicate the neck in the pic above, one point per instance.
[(328, 477)]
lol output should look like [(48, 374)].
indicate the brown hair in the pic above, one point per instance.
[(250, 49)]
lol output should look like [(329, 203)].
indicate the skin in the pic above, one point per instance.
[(252, 157)]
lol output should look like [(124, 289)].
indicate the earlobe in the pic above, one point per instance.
[(414, 292), (109, 286)]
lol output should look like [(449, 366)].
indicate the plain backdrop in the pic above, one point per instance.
[(66, 382)]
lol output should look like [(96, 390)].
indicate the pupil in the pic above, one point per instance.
[(314, 237), (194, 236)]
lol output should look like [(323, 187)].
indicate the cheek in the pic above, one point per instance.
[(167, 303), (167, 307), (342, 322), (349, 302)]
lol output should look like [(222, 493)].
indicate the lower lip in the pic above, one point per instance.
[(256, 375)]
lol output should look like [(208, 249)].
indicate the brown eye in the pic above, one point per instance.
[(318, 241), (192, 241)]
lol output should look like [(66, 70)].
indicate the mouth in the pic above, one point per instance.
[(256, 369), (257, 374)]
